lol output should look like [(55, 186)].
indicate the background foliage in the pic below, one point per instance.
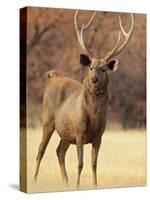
[(52, 44)]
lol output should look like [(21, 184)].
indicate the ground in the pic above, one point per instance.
[(121, 162)]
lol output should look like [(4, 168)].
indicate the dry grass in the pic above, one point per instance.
[(121, 162)]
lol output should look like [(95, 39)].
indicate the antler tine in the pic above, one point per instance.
[(127, 35), (111, 53), (76, 24), (81, 32), (89, 23)]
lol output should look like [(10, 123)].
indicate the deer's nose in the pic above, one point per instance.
[(94, 80)]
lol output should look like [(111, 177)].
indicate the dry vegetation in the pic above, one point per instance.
[(122, 162)]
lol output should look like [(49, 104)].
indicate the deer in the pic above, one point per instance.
[(78, 111)]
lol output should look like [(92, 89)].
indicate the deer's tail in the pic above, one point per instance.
[(50, 74)]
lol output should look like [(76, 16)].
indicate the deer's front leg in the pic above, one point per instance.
[(80, 161), (95, 150)]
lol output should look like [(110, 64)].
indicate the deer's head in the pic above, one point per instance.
[(99, 67)]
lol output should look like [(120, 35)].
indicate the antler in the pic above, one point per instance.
[(115, 51), (80, 32), (127, 35)]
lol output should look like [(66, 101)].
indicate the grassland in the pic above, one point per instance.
[(121, 162)]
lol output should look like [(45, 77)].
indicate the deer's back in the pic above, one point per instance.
[(59, 91)]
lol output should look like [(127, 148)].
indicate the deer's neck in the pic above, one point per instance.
[(95, 98)]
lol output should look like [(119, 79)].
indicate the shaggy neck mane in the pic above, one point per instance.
[(95, 97)]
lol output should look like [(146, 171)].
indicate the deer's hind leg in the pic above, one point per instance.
[(48, 129), (61, 152)]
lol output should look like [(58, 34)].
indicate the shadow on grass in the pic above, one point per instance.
[(14, 186)]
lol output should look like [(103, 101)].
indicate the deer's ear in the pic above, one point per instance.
[(84, 60), (112, 65)]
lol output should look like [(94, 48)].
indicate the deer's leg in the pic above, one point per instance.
[(48, 129), (80, 161), (95, 150), (61, 152)]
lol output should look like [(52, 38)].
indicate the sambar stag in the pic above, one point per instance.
[(78, 111)]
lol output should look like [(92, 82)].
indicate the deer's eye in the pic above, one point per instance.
[(91, 68), (103, 69)]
